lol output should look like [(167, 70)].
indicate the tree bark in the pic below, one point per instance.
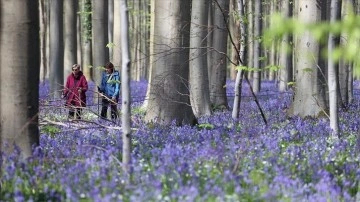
[(309, 99), (199, 83), (125, 87), (169, 92), (56, 48), (70, 41), (19, 73), (218, 61)]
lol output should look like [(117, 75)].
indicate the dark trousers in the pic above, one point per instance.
[(105, 104), (72, 111)]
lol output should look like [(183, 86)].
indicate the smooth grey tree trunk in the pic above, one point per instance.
[(250, 36), (309, 99), (44, 29), (99, 37), (257, 49), (116, 58), (169, 92), (199, 83), (285, 59), (272, 52), (19, 73), (86, 34), (111, 27), (218, 60), (70, 37), (335, 6), (125, 87), (241, 56), (56, 48), (344, 66)]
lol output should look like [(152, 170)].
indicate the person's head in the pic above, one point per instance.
[(109, 68), (75, 69)]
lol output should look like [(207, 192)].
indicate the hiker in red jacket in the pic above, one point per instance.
[(74, 92)]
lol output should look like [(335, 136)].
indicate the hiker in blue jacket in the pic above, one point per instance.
[(110, 88)]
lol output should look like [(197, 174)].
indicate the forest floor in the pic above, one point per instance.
[(289, 159)]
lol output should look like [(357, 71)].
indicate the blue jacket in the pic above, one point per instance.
[(110, 84)]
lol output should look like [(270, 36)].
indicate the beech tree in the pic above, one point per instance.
[(309, 95), (125, 86), (285, 55), (99, 37), (56, 73), (70, 45), (199, 82), (19, 75), (218, 59), (169, 89)]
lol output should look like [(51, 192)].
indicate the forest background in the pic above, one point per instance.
[(187, 52)]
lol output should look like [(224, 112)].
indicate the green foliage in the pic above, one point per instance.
[(348, 26), (206, 126), (110, 45), (273, 68), (50, 130), (138, 110)]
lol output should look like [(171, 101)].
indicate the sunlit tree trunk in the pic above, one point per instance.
[(285, 58), (345, 67), (111, 27), (117, 35), (257, 49), (43, 17), (56, 48), (70, 41), (235, 33), (19, 75), (199, 83), (335, 6), (250, 36), (99, 37), (272, 51), (169, 94), (218, 61), (241, 62), (86, 33), (125, 86), (309, 99)]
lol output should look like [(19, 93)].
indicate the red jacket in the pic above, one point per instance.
[(71, 91)]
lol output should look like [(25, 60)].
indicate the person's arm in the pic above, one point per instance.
[(84, 84), (117, 86)]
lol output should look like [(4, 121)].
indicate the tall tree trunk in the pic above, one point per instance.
[(99, 37), (218, 63), (250, 36), (56, 48), (70, 41), (241, 62), (86, 45), (257, 49), (309, 99), (344, 66), (285, 58), (117, 35), (111, 27), (43, 16), (234, 26), (125, 87), (19, 73), (199, 83), (335, 7), (169, 94)]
